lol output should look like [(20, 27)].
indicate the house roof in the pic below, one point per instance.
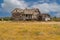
[(26, 11), (17, 10), (45, 14)]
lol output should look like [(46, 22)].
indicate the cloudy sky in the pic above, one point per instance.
[(51, 7)]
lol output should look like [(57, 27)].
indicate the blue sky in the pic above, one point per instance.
[(51, 7), (1, 1)]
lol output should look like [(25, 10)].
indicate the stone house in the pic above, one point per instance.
[(28, 14)]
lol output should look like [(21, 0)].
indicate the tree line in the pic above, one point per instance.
[(10, 19), (5, 19)]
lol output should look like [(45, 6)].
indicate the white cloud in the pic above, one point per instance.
[(10, 4), (47, 0), (46, 8), (43, 7)]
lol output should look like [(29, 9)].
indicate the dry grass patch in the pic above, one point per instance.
[(29, 30)]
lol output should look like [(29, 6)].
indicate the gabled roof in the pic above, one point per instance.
[(17, 10), (26, 11), (45, 14)]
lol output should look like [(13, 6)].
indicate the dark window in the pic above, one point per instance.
[(26, 15)]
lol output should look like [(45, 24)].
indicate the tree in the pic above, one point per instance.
[(56, 18)]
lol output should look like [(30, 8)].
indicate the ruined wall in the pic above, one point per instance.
[(18, 14)]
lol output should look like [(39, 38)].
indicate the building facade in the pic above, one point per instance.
[(28, 14)]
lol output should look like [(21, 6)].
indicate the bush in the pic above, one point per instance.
[(55, 19), (6, 19), (0, 19)]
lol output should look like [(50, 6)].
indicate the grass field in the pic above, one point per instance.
[(29, 30)]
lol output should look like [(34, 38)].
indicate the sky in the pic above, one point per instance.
[(51, 7)]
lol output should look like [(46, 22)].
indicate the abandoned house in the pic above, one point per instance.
[(29, 14)]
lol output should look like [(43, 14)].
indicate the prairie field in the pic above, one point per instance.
[(29, 30)]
